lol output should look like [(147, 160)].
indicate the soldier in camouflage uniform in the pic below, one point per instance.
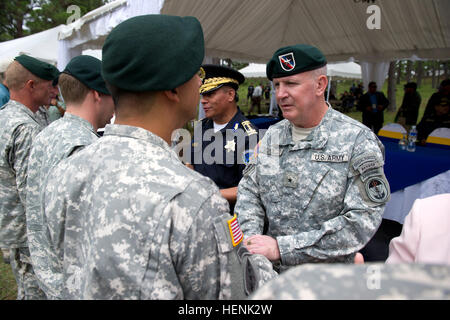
[(373, 281), (89, 107), (30, 84), (317, 184), (138, 224)]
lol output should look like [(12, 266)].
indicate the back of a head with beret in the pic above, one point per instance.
[(87, 70), (295, 59), (153, 53), (40, 69)]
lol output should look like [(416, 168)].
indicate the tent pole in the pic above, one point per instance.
[(329, 85)]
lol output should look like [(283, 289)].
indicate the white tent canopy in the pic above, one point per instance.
[(342, 69), (42, 45), (252, 30)]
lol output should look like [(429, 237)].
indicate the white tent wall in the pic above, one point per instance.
[(341, 69), (42, 45)]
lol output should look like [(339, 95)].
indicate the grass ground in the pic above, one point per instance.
[(8, 287)]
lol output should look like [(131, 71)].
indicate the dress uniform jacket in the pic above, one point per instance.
[(323, 196), (226, 171), (54, 143)]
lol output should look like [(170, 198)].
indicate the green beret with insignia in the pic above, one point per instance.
[(37, 67), (291, 60), (217, 76), (153, 52), (87, 70)]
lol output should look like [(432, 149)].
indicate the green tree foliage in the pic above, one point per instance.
[(12, 16), (20, 18)]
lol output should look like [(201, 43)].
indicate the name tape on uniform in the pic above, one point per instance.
[(329, 157)]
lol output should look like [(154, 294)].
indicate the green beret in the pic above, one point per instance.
[(37, 67), (153, 52), (218, 76), (87, 70), (291, 60)]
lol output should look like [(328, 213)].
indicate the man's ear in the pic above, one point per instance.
[(172, 95), (231, 94), (30, 84), (97, 97), (322, 83)]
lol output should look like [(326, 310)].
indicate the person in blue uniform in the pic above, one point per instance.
[(225, 139)]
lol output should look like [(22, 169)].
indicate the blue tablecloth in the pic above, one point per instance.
[(403, 168)]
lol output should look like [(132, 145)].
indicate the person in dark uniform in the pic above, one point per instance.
[(439, 117), (225, 139), (372, 104), (409, 110)]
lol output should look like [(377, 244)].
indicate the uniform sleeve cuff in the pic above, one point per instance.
[(287, 250)]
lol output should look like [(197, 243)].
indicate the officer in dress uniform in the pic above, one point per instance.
[(223, 141)]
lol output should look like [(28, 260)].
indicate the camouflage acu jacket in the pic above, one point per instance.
[(18, 127), (138, 224), (323, 197), (52, 144)]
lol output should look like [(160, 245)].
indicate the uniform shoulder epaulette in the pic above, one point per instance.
[(248, 127)]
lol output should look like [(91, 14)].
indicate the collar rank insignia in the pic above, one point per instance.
[(287, 61), (236, 126), (235, 231), (248, 128)]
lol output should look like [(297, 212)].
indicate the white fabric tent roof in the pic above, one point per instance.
[(343, 69), (252, 30)]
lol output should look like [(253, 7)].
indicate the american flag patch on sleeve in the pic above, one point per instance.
[(235, 231)]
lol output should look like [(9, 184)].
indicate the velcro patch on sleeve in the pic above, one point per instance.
[(235, 231), (377, 189), (367, 162)]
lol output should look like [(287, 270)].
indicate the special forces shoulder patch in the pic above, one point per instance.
[(371, 176), (377, 189)]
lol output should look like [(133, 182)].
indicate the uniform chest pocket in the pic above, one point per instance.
[(309, 181)]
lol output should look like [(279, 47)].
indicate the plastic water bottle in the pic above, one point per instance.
[(412, 137), (402, 142)]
